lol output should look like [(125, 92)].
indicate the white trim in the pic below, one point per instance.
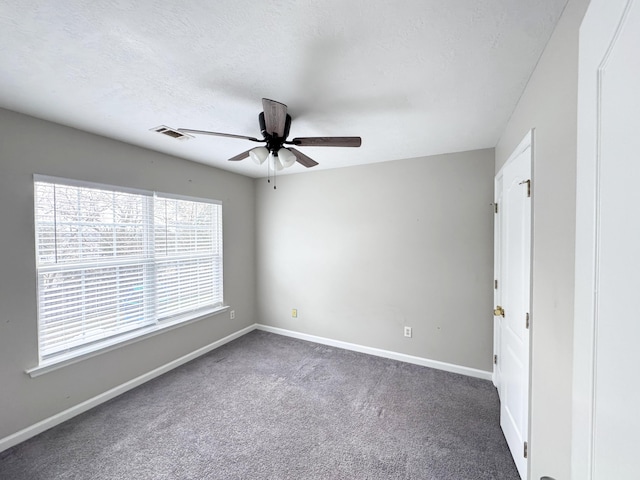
[(189, 198), (497, 270), (71, 412), (37, 177), (92, 350), (65, 415), (73, 182), (525, 143), (599, 31), (402, 357)]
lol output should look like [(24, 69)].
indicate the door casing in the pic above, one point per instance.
[(606, 390)]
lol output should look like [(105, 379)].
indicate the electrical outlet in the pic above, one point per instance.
[(407, 332), (294, 313), (232, 314)]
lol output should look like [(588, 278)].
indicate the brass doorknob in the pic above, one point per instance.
[(498, 311)]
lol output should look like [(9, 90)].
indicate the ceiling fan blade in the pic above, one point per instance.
[(217, 134), (327, 141), (303, 159), (275, 117), (240, 156)]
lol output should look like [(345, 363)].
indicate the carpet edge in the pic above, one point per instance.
[(378, 352), (47, 423), (39, 427)]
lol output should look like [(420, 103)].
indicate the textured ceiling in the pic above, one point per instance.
[(412, 78)]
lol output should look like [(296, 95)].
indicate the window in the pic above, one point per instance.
[(113, 263)]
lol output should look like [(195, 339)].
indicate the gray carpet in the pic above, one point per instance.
[(270, 407)]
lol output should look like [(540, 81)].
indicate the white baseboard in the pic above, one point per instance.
[(425, 362), (58, 418)]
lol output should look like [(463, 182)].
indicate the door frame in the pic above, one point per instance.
[(527, 142), (497, 265), (599, 31)]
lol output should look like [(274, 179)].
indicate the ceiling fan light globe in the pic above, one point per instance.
[(275, 163), (259, 155), (287, 158)]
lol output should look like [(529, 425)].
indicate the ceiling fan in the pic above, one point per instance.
[(274, 125)]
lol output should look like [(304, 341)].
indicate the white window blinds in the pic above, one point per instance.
[(110, 262)]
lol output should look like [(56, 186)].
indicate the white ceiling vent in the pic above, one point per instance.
[(171, 132)]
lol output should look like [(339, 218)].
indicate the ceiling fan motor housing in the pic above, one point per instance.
[(274, 143)]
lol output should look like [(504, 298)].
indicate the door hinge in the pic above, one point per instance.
[(528, 182), (526, 449), (495, 359), (495, 208), (527, 320), (495, 284)]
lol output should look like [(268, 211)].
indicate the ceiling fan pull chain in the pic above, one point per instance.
[(268, 171)]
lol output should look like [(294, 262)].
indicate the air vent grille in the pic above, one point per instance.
[(171, 132)]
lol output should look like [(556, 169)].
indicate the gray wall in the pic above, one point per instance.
[(549, 104), (361, 252), (364, 251), (29, 146)]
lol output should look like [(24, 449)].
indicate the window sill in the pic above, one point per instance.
[(65, 359)]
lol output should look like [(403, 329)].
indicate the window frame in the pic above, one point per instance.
[(154, 325)]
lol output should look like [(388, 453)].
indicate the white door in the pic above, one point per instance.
[(514, 284), (606, 395)]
